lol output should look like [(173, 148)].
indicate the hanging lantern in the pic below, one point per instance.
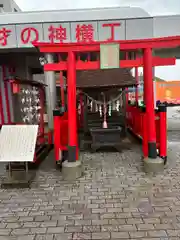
[(110, 109), (15, 86), (96, 108), (117, 105), (91, 105), (105, 112), (100, 110)]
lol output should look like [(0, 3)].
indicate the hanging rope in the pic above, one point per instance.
[(102, 102)]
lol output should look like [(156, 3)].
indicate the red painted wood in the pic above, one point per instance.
[(166, 42), (145, 44), (149, 95), (72, 115), (80, 65)]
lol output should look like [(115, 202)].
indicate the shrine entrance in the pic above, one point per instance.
[(145, 120)]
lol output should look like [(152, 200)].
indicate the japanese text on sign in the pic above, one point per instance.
[(4, 34), (112, 26), (85, 33), (59, 33), (29, 35)]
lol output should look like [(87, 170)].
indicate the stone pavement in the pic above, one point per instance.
[(114, 200)]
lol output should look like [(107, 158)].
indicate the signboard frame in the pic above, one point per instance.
[(109, 55)]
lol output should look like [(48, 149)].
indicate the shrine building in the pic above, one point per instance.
[(61, 47)]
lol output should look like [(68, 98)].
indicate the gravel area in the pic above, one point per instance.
[(114, 199)]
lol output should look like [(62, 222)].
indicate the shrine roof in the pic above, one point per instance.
[(119, 77), (72, 15)]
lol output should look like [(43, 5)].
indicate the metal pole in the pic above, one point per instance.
[(50, 81)]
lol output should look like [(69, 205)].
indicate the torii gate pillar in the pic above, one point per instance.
[(72, 169), (72, 118), (152, 162), (149, 102)]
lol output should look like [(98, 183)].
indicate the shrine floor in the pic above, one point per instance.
[(114, 199)]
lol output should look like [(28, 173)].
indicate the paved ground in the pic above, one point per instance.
[(173, 118), (114, 199)]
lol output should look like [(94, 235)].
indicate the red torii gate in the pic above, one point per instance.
[(147, 62)]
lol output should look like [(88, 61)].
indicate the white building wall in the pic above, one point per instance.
[(9, 6)]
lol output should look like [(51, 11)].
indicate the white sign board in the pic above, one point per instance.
[(109, 56), (17, 143)]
